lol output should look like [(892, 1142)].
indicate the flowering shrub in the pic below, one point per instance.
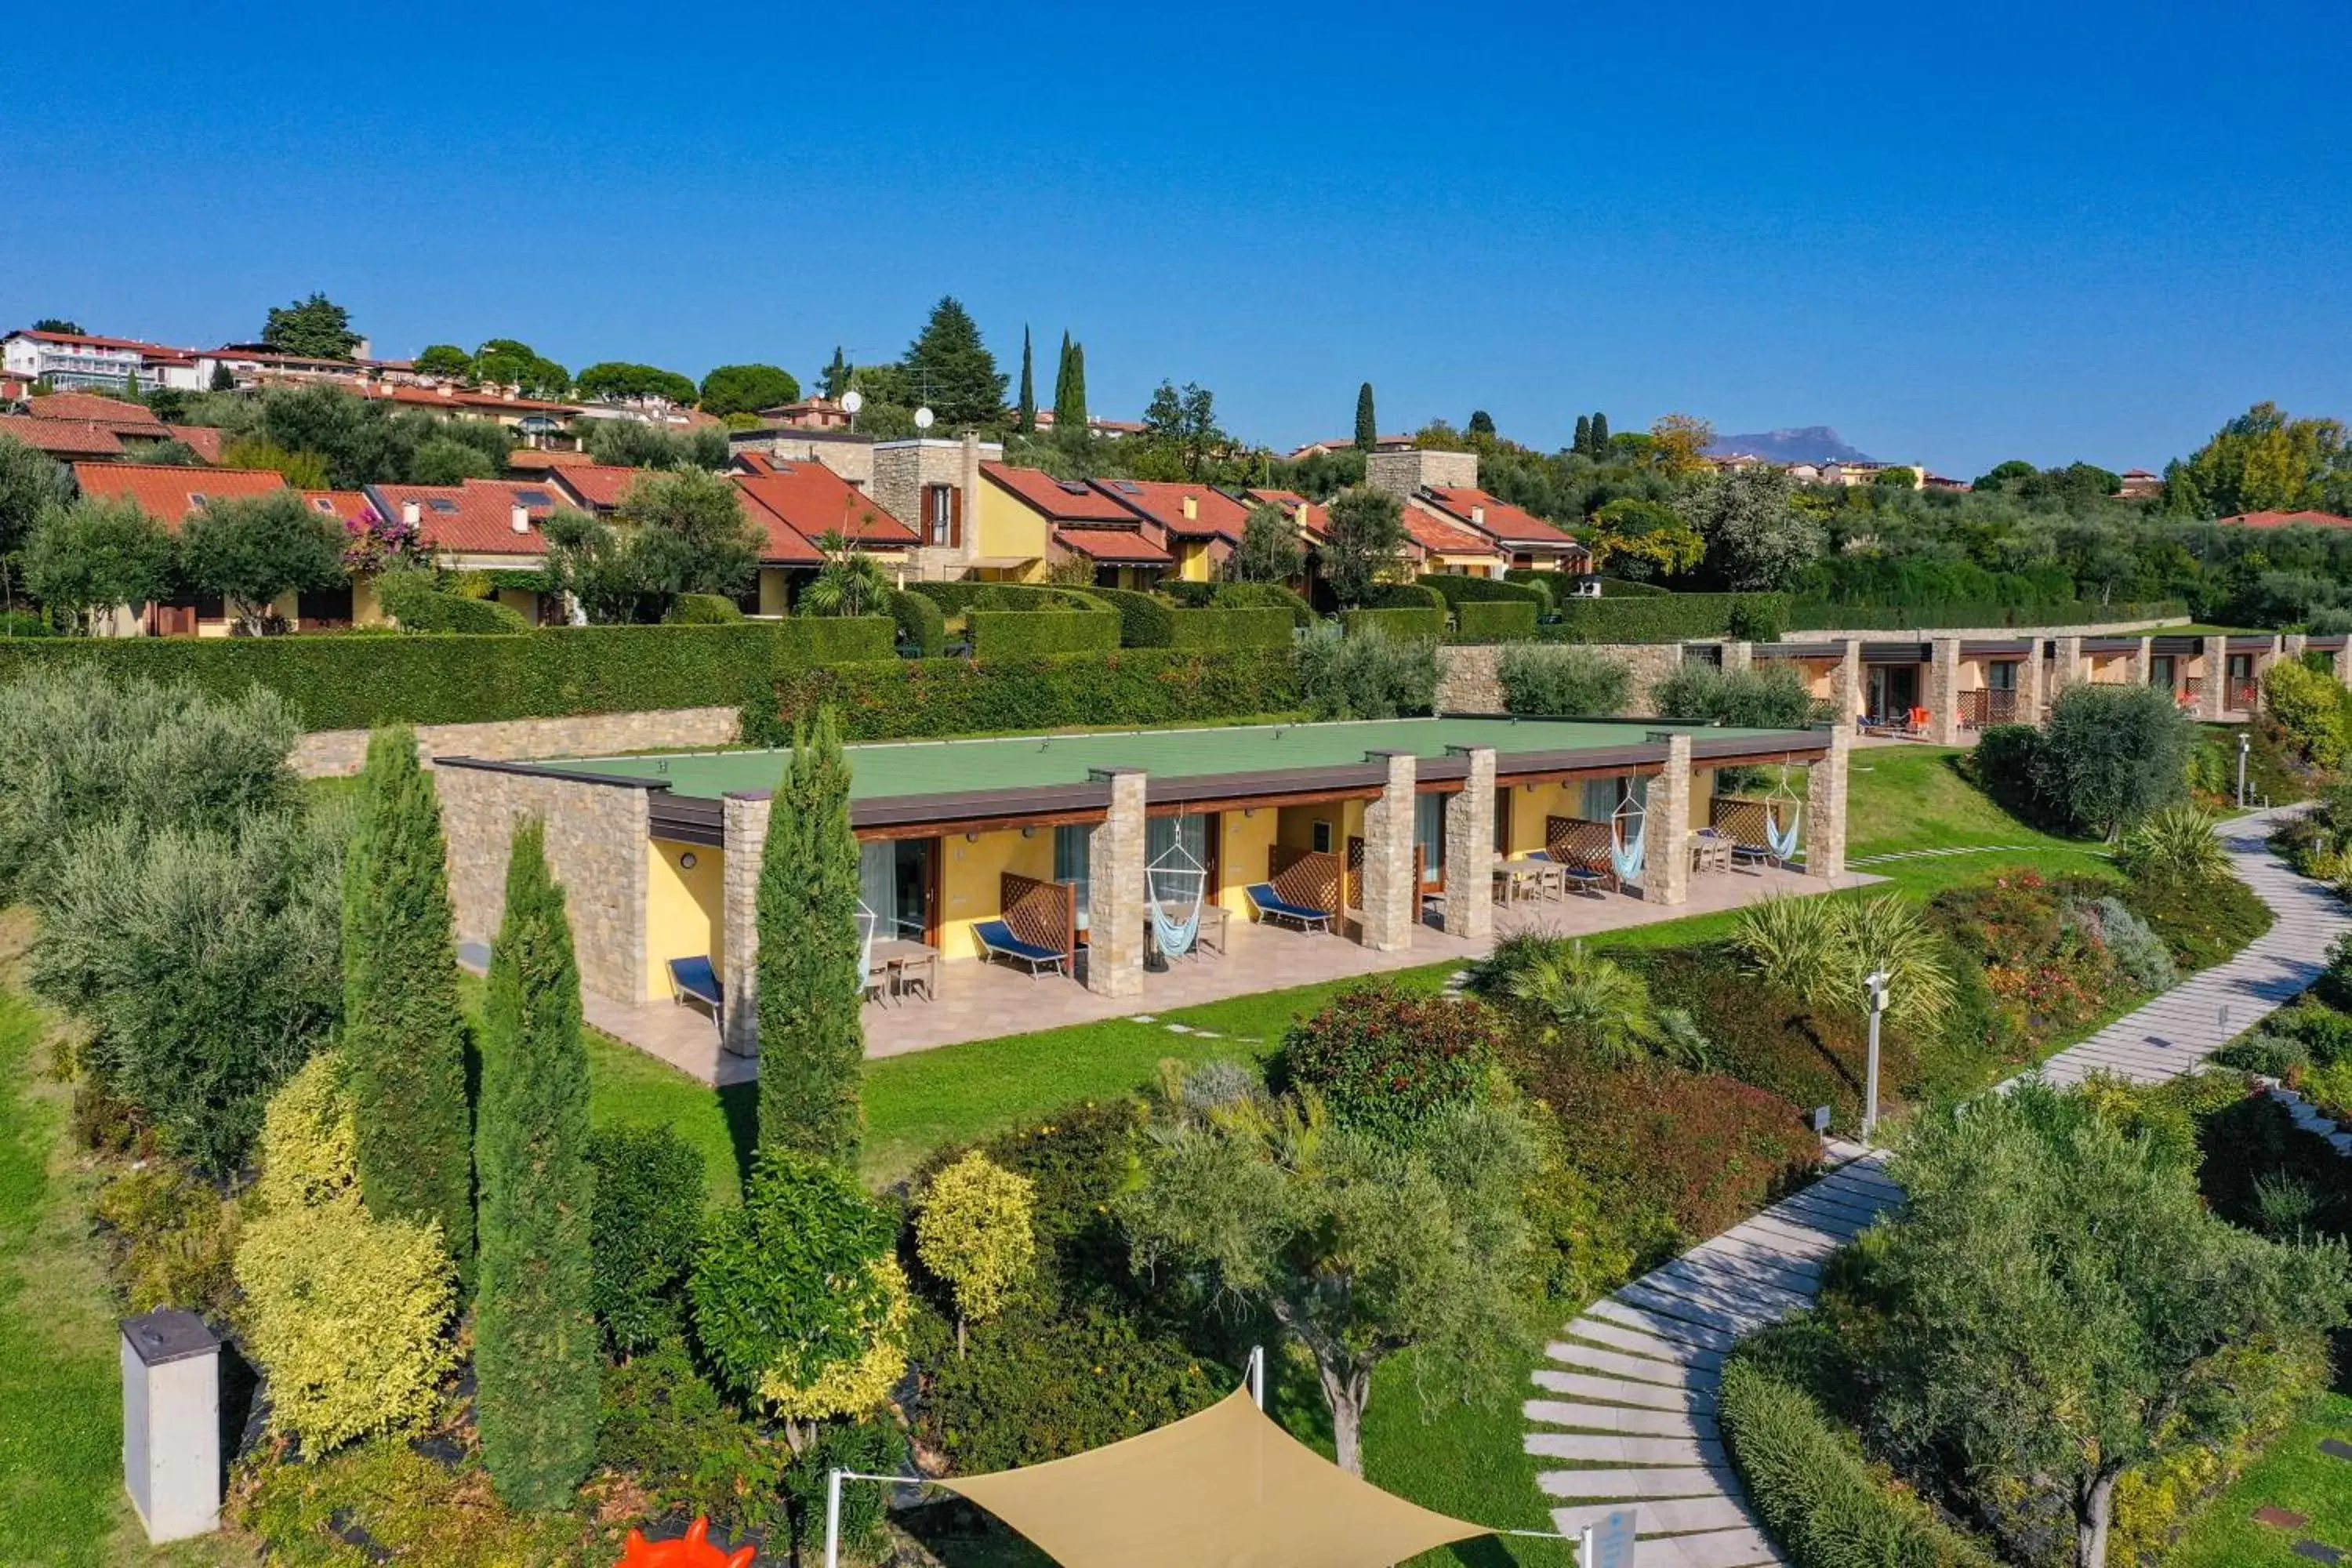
[(372, 542), (1385, 1058)]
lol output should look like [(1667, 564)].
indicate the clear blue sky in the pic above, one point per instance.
[(1957, 234)]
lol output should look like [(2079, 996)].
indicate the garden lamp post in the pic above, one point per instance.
[(1875, 986), (2245, 745)]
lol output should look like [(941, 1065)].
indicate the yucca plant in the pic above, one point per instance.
[(1580, 999), (1798, 944), (1888, 933), (2177, 842), (1821, 949)]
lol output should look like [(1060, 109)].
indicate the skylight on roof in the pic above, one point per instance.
[(1127, 487), (534, 497), (1075, 487), (322, 504), (443, 504)]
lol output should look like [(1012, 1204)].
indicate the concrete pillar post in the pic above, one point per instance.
[(1666, 876), (2066, 665), (2290, 646), (2263, 659), (2030, 696), (1470, 850), (1115, 891), (2214, 697), (1824, 834), (745, 820), (1738, 655), (1944, 691), (1388, 897), (2143, 661), (1845, 688)]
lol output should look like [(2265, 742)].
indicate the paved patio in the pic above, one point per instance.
[(981, 1002)]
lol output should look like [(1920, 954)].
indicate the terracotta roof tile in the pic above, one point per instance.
[(344, 505), (127, 418), (476, 517), (1055, 498), (1112, 546), (62, 437), (1163, 502), (169, 493), (204, 440), (2287, 520), (536, 459), (596, 486), (811, 499), (1482, 514)]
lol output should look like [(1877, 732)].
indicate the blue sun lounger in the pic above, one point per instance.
[(1271, 906), (693, 980), (997, 938)]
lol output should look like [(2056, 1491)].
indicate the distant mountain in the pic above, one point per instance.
[(1812, 443)]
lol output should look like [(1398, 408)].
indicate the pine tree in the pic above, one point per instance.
[(1600, 435), (1071, 416), (953, 370), (1584, 445), (535, 1346), (812, 984), (403, 1031), (1368, 429), (1481, 422), (1028, 387)]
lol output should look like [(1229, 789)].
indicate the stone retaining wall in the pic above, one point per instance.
[(331, 752), (1467, 681), (1982, 634)]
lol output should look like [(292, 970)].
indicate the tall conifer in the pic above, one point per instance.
[(535, 1349), (1600, 434), (1584, 445), (403, 1032), (1367, 428), (1070, 414), (1028, 411), (812, 979)]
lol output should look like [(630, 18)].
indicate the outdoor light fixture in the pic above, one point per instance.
[(685, 862), (2245, 745), (973, 836), (1030, 831), (1875, 984)]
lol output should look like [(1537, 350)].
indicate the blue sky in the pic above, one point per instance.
[(1958, 236)]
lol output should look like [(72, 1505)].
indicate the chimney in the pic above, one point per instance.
[(412, 514), (1478, 516), (1302, 514), (521, 517), (1191, 509)]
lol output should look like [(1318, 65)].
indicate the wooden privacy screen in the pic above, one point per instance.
[(1045, 913), (1307, 878), (1988, 705), (1574, 841), (1352, 888), (1744, 819)]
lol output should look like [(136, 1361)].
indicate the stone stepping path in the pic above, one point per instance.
[(1627, 1411)]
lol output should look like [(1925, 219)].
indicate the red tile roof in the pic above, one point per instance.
[(204, 440), (476, 517), (457, 400), (126, 418), (341, 504), (100, 342), (1435, 534), (2288, 519), (1499, 519), (1317, 522), (1056, 499), (62, 437), (1162, 501), (169, 493), (1112, 546), (530, 459), (811, 499), (596, 486)]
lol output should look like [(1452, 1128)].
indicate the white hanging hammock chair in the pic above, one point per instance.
[(866, 921), (1174, 887), (1781, 834), (1629, 839)]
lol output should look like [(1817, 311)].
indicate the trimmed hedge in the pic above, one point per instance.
[(1818, 1496), (1403, 596), (1823, 614), (1258, 596), (955, 597), (1671, 617), (1263, 627), (1620, 588), (1494, 620), (921, 625), (918, 699), (1193, 596), (1459, 588), (455, 613), (1145, 620), (1529, 577), (358, 681), (1398, 625), (703, 610), (1034, 634)]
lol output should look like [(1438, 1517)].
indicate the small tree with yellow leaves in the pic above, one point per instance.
[(977, 1232)]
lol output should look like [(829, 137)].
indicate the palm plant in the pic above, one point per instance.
[(850, 583), (1581, 1000), (2177, 842)]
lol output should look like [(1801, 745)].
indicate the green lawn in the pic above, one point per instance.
[(2293, 1475)]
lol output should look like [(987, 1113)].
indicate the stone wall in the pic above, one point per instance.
[(331, 752), (1403, 473), (1467, 682), (1980, 634), (596, 847)]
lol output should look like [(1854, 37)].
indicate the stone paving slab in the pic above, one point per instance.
[(1608, 1447), (1658, 1323), (1619, 1391), (1581, 1416)]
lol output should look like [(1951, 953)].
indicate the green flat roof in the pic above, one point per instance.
[(888, 770)]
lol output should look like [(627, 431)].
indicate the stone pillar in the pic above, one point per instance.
[(2030, 697), (1944, 691), (2214, 697), (2290, 646), (1389, 899), (1666, 874), (1115, 891), (1845, 688), (1824, 834), (1470, 850), (1738, 655), (2264, 659), (2066, 667), (2143, 661), (745, 820)]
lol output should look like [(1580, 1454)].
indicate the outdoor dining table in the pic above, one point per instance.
[(1710, 850), (902, 963), (1517, 881)]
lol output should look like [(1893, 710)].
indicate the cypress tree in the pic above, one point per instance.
[(1028, 387), (1600, 435), (535, 1346), (1584, 445), (812, 982), (1062, 381), (836, 374), (1368, 429), (1074, 420), (403, 1032)]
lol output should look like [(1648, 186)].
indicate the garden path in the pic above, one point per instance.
[(1628, 1401)]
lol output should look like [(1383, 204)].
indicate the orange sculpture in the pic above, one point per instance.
[(689, 1551)]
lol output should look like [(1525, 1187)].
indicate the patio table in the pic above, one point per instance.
[(906, 963), (1516, 881)]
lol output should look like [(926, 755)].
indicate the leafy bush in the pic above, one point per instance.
[(1226, 626), (1034, 634), (1457, 589), (2203, 922), (2142, 956), (1543, 677), (702, 610), (1823, 1504), (1262, 596), (1399, 622), (1386, 1059), (646, 1221), (348, 1315), (1759, 617), (907, 699), (2310, 708), (2273, 1055), (359, 681), (2005, 765), (1075, 1159), (421, 602), (977, 1232), (1484, 621), (2110, 756), (309, 1148), (921, 626), (1770, 697), (171, 1239), (665, 1427), (1367, 675), (1560, 997), (1669, 617), (1821, 949), (2177, 842)]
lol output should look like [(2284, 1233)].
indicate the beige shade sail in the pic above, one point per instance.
[(1224, 1489)]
